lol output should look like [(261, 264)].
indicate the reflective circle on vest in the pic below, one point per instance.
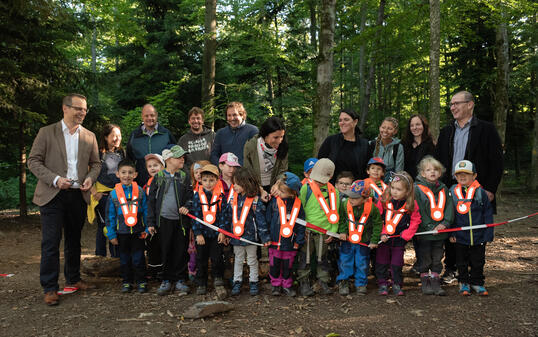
[(355, 237), (332, 217), (131, 220), (209, 217), (286, 231), (462, 208), (389, 228), (437, 214), (237, 230)]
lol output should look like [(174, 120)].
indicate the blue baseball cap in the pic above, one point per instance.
[(292, 181), (356, 190), (377, 161), (309, 164)]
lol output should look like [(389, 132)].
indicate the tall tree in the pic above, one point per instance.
[(209, 59), (435, 42), (325, 72)]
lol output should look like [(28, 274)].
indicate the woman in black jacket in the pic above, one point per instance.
[(347, 149), (418, 143)]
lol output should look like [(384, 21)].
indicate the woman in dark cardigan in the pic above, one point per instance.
[(418, 143)]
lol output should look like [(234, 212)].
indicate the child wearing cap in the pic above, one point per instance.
[(359, 228), (228, 163), (321, 202), (472, 208), (207, 205), (307, 168), (126, 226), (437, 213), (170, 195), (376, 173), (154, 164), (286, 235)]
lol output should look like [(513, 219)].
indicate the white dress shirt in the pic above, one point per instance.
[(71, 149)]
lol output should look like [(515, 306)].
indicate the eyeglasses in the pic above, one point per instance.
[(344, 184), (458, 103), (79, 109)]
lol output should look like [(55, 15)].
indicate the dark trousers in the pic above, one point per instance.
[(429, 255), (155, 263), (416, 243), (100, 238), (389, 257), (211, 250), (174, 244), (470, 261), (450, 256), (132, 261), (67, 211)]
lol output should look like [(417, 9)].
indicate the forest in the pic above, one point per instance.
[(300, 60)]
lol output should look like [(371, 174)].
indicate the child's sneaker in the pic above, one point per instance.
[(165, 288), (236, 289), (324, 288), (126, 288), (289, 292), (361, 290), (343, 288), (275, 291), (201, 290), (383, 291), (218, 282), (449, 276), (142, 287), (182, 287), (396, 290), (464, 289), (254, 289), (305, 289), (480, 290)]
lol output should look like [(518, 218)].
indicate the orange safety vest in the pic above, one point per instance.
[(332, 213), (286, 227), (148, 184), (239, 224), (391, 222), (356, 229), (129, 214), (437, 211), (209, 212), (376, 188), (464, 204), (304, 181)]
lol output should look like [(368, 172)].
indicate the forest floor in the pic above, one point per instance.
[(510, 310)]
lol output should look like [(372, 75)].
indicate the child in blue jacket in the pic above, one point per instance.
[(472, 208), (126, 226)]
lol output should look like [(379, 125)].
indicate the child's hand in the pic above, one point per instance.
[(275, 191), (452, 239), (267, 244), (372, 245), (329, 239), (114, 241), (222, 239), (343, 237), (200, 239), (295, 246), (439, 227), (152, 230), (264, 195), (385, 238), (184, 210)]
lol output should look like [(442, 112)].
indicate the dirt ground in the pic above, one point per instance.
[(510, 310)]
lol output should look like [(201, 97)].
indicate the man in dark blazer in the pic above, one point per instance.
[(470, 138), (65, 160)]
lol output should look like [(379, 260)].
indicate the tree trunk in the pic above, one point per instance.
[(270, 90), (534, 159), (23, 207), (313, 71), (367, 91), (325, 72), (209, 58), (434, 89), (362, 63)]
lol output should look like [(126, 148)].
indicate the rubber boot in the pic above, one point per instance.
[(305, 289), (426, 284), (436, 285)]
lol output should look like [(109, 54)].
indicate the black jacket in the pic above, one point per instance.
[(484, 150)]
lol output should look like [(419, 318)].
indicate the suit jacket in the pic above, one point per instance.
[(48, 159)]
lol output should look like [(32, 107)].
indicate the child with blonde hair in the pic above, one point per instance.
[(401, 218)]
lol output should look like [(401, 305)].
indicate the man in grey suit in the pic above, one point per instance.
[(65, 160)]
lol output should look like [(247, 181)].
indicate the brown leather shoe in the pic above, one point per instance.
[(51, 298), (81, 285)]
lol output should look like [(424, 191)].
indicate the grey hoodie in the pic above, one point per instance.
[(198, 146), (386, 153)]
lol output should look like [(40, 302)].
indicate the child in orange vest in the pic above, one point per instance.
[(436, 212), (360, 227), (401, 217), (376, 173), (126, 226), (154, 164), (307, 168)]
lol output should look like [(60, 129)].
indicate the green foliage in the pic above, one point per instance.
[(9, 191)]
